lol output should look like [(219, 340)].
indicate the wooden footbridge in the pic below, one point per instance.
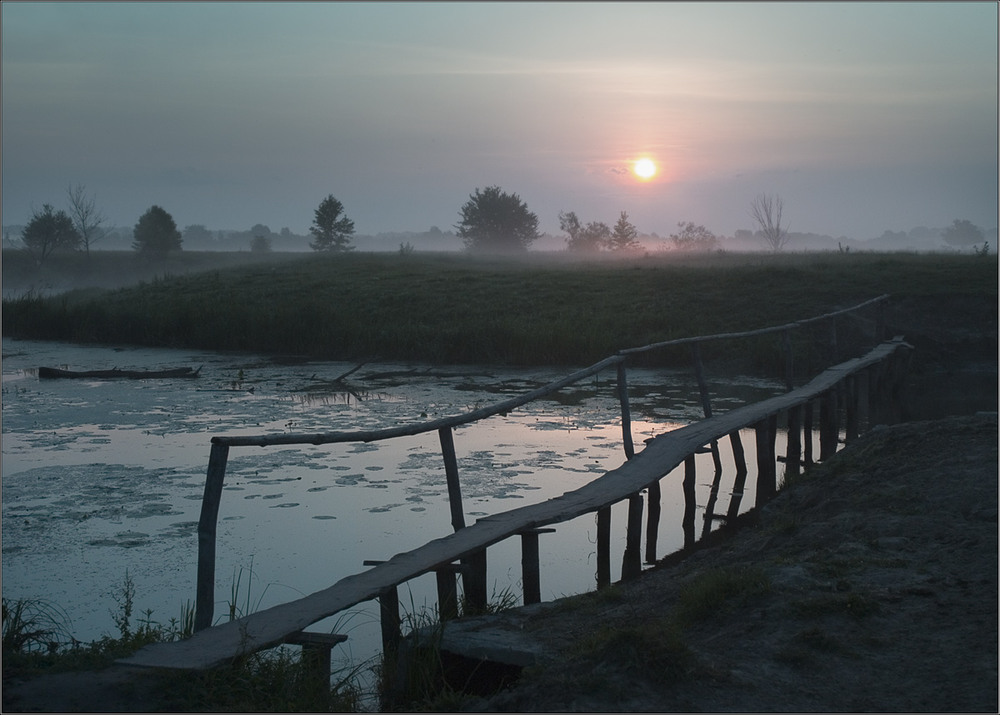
[(844, 393)]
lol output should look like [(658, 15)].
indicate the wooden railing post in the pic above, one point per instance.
[(626, 412), (207, 525), (451, 475), (603, 547)]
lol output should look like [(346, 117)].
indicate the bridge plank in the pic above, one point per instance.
[(220, 644)]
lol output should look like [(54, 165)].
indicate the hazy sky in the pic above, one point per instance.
[(862, 116)]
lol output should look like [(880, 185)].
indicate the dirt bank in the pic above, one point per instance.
[(872, 587)]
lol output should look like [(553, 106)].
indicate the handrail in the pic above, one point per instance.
[(751, 333), (419, 427), (211, 647), (208, 521)]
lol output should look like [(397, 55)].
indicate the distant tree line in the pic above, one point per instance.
[(490, 221)]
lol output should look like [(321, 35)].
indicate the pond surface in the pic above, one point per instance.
[(104, 478)]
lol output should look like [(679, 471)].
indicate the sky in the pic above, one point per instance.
[(862, 117)]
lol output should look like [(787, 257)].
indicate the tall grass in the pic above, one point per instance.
[(446, 308)]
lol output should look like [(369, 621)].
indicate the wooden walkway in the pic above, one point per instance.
[(217, 645)]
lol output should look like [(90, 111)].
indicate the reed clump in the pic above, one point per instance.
[(455, 308)]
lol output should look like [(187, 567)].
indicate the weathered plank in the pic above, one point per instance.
[(217, 645)]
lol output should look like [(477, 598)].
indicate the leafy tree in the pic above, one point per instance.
[(156, 234), (587, 239), (331, 230), (260, 244), (87, 219), (625, 236), (495, 221), (766, 212), (198, 234), (693, 238), (963, 233), (47, 231)]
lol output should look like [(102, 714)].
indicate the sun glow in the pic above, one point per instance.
[(644, 168)]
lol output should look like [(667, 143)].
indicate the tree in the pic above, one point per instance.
[(48, 231), (495, 221), (588, 239), (260, 244), (156, 234), (331, 230), (625, 236), (694, 238), (766, 212), (963, 233), (87, 219)]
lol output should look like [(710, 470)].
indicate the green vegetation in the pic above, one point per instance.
[(36, 640), (455, 308)]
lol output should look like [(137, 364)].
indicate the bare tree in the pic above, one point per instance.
[(87, 219), (766, 211)]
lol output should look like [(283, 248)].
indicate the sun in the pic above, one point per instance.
[(644, 168)]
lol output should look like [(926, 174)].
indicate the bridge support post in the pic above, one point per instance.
[(603, 547), (739, 483), (829, 425), (793, 452), (632, 560), (447, 590), (531, 579), (766, 458), (207, 525), (652, 521), (687, 522), (474, 582), (388, 602)]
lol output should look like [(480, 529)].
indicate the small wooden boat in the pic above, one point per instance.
[(54, 372)]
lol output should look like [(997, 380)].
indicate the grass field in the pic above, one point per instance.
[(454, 308)]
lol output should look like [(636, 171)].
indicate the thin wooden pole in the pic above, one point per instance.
[(632, 559), (687, 523), (851, 409), (739, 483), (789, 365), (765, 462), (706, 402), (652, 521), (807, 433), (207, 526), (626, 412), (604, 547), (451, 475), (793, 451), (828, 425)]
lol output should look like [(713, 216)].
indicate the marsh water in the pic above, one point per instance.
[(103, 479)]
